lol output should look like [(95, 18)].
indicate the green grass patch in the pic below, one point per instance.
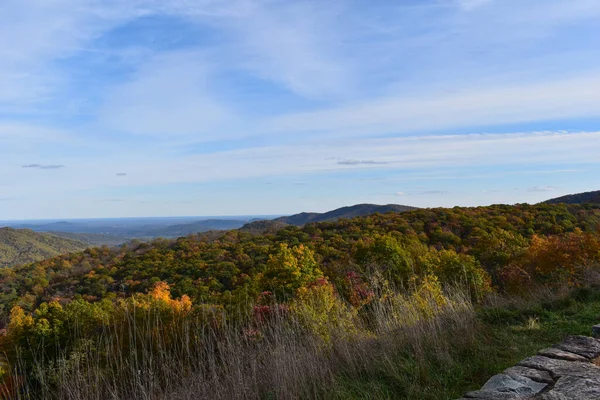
[(504, 336)]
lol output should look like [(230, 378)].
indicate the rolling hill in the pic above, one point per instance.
[(578, 198), (22, 246), (358, 210), (263, 226)]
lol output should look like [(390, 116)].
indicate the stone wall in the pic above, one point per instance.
[(569, 370)]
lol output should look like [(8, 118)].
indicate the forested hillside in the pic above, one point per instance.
[(578, 198), (22, 246), (219, 309)]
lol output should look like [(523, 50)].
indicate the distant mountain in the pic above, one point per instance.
[(578, 198), (300, 219), (116, 231), (191, 228), (22, 246), (264, 226), (358, 210)]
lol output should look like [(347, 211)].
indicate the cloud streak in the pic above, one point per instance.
[(478, 152), (541, 189), (470, 5), (44, 166), (361, 162), (568, 98)]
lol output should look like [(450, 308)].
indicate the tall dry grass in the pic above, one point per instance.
[(282, 357)]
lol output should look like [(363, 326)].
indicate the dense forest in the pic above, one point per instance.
[(487, 245), (341, 274)]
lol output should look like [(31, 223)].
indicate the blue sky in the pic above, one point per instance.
[(115, 108)]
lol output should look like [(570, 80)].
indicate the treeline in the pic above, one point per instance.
[(401, 261), (487, 245)]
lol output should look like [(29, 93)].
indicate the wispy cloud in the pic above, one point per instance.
[(541, 189), (568, 98), (479, 153), (167, 96), (428, 192), (361, 162), (44, 166), (470, 5), (208, 91)]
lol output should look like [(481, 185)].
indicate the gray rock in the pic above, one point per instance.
[(552, 352), (533, 374), (572, 387), (596, 331), (584, 346), (552, 396), (516, 384), (492, 395), (566, 371), (560, 368)]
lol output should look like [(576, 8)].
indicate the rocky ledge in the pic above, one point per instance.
[(567, 371)]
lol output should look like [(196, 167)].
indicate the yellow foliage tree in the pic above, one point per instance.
[(320, 310), (289, 269)]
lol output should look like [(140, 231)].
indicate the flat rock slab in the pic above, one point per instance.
[(560, 368), (572, 387), (552, 352), (553, 396), (515, 384), (533, 374), (584, 346), (567, 371), (491, 395)]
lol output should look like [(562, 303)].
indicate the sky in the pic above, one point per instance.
[(128, 108)]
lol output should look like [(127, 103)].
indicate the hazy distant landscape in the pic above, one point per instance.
[(129, 228)]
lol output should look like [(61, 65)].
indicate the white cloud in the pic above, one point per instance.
[(435, 153), (34, 34), (294, 44), (470, 5), (168, 96), (30, 133), (541, 189), (567, 98)]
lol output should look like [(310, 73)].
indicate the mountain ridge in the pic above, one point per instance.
[(357, 210), (592, 197)]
